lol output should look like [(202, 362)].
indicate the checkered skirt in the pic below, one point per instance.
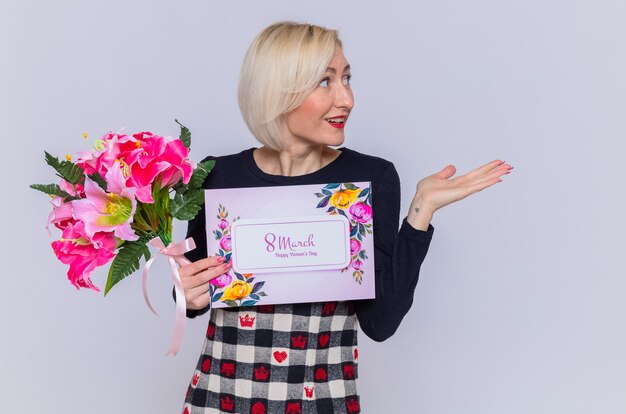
[(269, 359)]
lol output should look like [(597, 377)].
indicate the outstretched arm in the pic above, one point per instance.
[(398, 257)]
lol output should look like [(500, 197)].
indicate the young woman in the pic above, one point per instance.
[(295, 96)]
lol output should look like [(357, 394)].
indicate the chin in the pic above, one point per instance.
[(335, 142)]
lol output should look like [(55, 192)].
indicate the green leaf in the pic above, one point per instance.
[(185, 135), (200, 173), (97, 178), (217, 296), (126, 262), (249, 303), (257, 286), (180, 187), (67, 170), (52, 189), (323, 202), (231, 303), (186, 206), (350, 186)]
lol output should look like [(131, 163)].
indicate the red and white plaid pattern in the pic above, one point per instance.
[(293, 358)]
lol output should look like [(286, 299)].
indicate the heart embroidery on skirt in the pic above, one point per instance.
[(280, 356)]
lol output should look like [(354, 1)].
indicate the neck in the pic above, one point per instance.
[(294, 160)]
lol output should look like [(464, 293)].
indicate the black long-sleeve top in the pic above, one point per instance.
[(398, 255)]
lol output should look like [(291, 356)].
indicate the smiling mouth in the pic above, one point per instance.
[(337, 122)]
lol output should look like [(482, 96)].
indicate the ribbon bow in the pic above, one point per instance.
[(173, 252)]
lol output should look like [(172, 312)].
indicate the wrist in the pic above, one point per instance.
[(420, 213)]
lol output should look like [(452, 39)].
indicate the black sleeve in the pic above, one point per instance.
[(196, 229), (398, 257)]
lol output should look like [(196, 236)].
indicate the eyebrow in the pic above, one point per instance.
[(333, 70)]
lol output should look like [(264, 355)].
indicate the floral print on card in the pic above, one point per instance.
[(355, 204), (240, 290)]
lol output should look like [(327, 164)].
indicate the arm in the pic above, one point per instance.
[(398, 257), (196, 228)]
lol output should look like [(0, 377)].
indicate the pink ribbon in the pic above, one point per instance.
[(174, 252)]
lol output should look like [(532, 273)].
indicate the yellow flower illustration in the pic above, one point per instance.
[(237, 290), (343, 198)]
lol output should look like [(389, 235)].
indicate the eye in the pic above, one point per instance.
[(324, 80), (347, 79)]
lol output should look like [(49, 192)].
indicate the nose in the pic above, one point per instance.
[(344, 97)]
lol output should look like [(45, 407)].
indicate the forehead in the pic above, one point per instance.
[(338, 63)]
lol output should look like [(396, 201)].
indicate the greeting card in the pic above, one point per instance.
[(291, 244)]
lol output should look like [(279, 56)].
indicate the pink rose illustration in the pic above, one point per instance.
[(355, 246), (222, 280), (362, 213), (225, 243), (223, 224), (357, 264)]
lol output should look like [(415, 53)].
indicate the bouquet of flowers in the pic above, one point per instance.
[(112, 201)]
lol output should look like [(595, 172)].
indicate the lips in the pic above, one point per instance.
[(337, 121)]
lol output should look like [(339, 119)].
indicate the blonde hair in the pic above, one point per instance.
[(282, 66)]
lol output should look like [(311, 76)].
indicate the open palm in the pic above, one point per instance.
[(438, 190)]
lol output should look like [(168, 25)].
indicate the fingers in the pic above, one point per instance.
[(478, 172), (195, 278), (199, 273), (204, 277), (446, 172), (486, 172), (200, 265), (481, 184), (198, 299), (489, 175)]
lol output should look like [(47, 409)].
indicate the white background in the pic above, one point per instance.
[(521, 306)]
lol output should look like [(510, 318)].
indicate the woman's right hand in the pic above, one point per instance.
[(195, 277)]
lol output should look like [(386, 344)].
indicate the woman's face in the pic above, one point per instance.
[(332, 98)]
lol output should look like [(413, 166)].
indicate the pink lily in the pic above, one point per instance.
[(108, 211), (60, 215), (83, 254)]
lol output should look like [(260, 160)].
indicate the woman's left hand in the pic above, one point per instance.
[(437, 190)]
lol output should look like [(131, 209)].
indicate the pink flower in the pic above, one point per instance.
[(108, 149), (357, 264), (158, 156), (83, 253), (222, 280), (222, 224), (362, 213), (107, 211), (69, 188), (60, 215), (355, 246), (143, 157), (225, 243)]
